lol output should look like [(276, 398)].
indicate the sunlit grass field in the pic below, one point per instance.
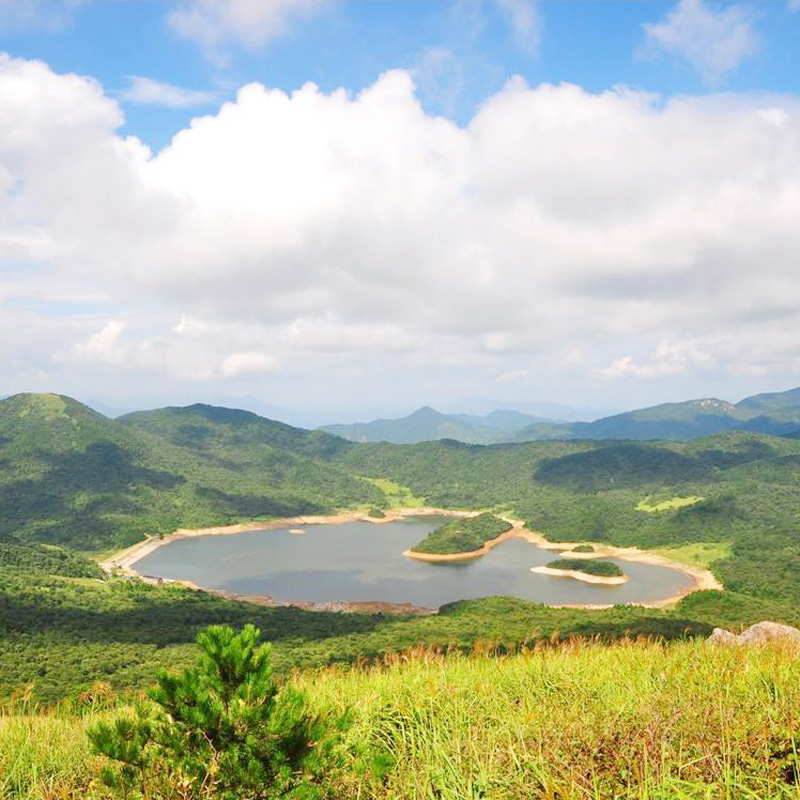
[(697, 554), (396, 495), (667, 505), (574, 721)]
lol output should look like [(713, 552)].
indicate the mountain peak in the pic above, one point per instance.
[(46, 405), (425, 411), (713, 404)]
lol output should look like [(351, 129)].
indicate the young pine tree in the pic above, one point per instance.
[(222, 730)]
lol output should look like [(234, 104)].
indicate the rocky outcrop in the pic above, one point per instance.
[(760, 633), (721, 636)]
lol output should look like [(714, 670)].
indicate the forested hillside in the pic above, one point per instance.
[(71, 476), (589, 491)]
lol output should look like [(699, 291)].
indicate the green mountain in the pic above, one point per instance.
[(424, 425), (70, 475), (760, 404), (777, 414), (204, 428)]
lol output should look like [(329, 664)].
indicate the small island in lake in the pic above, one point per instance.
[(585, 570), (462, 537)]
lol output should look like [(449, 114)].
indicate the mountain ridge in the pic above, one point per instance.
[(775, 413)]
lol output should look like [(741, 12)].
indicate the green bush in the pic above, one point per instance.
[(463, 535), (605, 569), (223, 729), (583, 548)]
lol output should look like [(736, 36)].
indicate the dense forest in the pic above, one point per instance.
[(603, 569), (74, 484), (463, 535)]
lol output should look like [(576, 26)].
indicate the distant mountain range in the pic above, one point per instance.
[(776, 413), (427, 424)]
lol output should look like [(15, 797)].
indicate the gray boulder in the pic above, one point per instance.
[(763, 632), (721, 636), (760, 633)]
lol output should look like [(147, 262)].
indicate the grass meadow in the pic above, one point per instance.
[(577, 720)]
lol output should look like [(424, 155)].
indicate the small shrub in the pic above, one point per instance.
[(222, 730), (604, 569)]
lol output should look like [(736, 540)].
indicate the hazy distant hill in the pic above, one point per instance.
[(772, 401), (506, 420), (424, 425), (777, 413)]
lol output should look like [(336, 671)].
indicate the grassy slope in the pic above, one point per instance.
[(575, 722)]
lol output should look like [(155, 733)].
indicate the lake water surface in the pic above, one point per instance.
[(362, 561)]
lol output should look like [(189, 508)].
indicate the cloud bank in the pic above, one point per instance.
[(306, 238)]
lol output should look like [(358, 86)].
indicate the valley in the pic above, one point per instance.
[(75, 483), (239, 519)]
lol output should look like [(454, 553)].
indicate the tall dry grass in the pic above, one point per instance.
[(578, 721), (572, 721)]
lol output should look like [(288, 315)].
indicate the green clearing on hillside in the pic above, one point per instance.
[(604, 569), (700, 554), (578, 721), (463, 535), (667, 505), (397, 496)]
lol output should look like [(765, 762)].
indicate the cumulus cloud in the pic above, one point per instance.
[(150, 92), (103, 346), (669, 359), (713, 41), (215, 24), (336, 234)]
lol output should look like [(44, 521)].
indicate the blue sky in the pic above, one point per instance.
[(646, 212), (596, 45)]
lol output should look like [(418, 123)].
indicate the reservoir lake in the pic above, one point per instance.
[(363, 561)]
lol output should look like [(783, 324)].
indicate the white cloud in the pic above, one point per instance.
[(102, 347), (668, 359), (240, 363), (147, 91), (794, 5), (526, 23), (713, 41), (300, 239), (215, 24)]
